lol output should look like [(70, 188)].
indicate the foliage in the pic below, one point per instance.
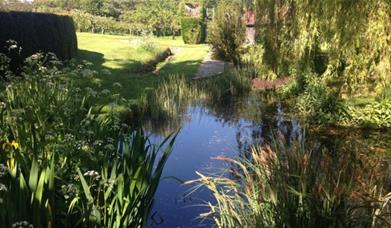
[(227, 32), (50, 136), (119, 17), (375, 114), (318, 102), (122, 194), (192, 30), (228, 86), (276, 32), (292, 185), (253, 63), (349, 38), (162, 108)]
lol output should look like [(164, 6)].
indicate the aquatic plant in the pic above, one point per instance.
[(297, 185), (122, 193)]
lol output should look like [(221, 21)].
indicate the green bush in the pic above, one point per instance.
[(317, 101), (193, 30), (375, 115), (227, 32)]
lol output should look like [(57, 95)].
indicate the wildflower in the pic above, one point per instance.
[(3, 188), (14, 46), (117, 85), (106, 72), (15, 145), (91, 173), (105, 92), (10, 145), (98, 143), (85, 148), (77, 90), (3, 170), (110, 147)]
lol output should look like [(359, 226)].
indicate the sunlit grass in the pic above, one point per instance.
[(118, 54)]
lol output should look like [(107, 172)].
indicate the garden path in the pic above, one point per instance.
[(210, 67)]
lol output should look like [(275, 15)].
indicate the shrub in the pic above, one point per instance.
[(227, 32), (375, 114), (193, 30), (318, 102), (37, 32)]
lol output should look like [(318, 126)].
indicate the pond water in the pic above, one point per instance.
[(207, 132)]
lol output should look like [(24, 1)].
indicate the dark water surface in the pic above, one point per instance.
[(209, 132)]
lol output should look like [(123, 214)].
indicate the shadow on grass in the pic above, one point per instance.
[(134, 85), (97, 59)]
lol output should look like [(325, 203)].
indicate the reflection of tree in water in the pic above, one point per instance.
[(260, 120)]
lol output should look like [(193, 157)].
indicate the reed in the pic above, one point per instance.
[(299, 186)]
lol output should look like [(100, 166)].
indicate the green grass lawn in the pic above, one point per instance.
[(121, 55)]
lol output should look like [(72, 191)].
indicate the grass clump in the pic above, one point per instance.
[(293, 185)]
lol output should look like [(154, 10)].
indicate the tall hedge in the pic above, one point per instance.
[(193, 30), (39, 32)]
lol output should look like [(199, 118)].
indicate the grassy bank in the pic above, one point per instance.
[(116, 59)]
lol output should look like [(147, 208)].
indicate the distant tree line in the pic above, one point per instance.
[(158, 17)]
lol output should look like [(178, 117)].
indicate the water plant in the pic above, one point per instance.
[(122, 193), (297, 185)]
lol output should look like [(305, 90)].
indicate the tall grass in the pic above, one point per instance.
[(166, 104), (300, 186)]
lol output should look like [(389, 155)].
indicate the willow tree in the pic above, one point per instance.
[(355, 34)]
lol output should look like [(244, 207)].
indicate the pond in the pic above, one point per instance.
[(229, 130)]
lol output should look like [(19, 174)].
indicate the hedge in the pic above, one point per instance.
[(193, 30), (39, 32)]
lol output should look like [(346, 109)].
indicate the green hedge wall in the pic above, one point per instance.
[(193, 30), (39, 32)]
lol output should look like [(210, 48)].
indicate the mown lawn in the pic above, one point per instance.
[(122, 55)]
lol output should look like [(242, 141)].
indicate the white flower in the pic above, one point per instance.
[(117, 85), (91, 173)]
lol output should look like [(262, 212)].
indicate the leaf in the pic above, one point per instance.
[(40, 187), (34, 172), (85, 186)]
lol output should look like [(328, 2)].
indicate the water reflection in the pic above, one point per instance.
[(211, 130)]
